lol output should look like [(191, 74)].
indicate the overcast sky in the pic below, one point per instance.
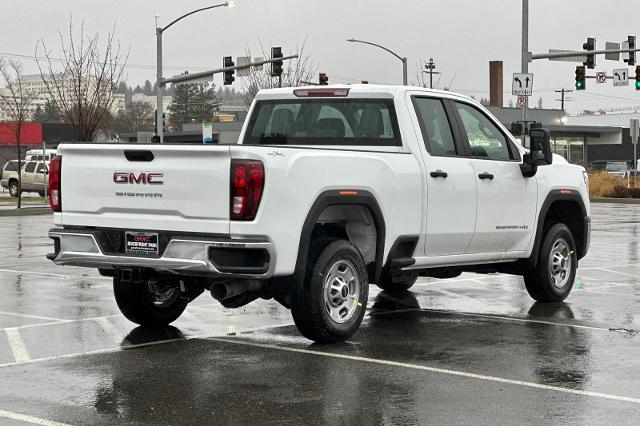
[(461, 35)]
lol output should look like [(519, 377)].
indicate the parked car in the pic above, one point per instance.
[(34, 177), (617, 168), (329, 189), (37, 155), (9, 177)]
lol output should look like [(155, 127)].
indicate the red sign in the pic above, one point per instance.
[(30, 134), (522, 101)]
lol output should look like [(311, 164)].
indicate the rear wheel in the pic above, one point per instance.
[(331, 303), (13, 188), (149, 303), (552, 278)]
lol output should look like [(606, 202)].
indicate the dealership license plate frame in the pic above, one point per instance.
[(145, 246)]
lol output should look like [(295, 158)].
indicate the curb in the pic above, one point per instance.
[(26, 211), (615, 200)]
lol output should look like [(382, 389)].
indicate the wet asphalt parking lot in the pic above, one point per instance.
[(475, 349)]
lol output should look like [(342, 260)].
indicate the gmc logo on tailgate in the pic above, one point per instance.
[(142, 178)]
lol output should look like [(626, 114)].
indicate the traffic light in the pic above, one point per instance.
[(591, 59), (632, 55), (516, 128), (323, 79), (227, 61), (276, 67), (581, 77), (637, 77)]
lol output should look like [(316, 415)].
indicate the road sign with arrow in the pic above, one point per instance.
[(522, 84), (620, 77)]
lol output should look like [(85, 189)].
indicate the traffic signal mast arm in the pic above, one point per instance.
[(554, 55), (203, 74)]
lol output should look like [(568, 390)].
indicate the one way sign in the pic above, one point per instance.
[(522, 84)]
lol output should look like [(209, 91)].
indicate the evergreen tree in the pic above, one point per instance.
[(539, 103), (192, 102), (50, 113), (148, 88)]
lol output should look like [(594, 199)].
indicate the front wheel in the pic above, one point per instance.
[(552, 278), (149, 303), (13, 189), (330, 304)]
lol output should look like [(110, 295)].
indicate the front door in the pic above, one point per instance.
[(506, 199), (450, 182)]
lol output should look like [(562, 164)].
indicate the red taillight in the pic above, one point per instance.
[(55, 171), (247, 183)]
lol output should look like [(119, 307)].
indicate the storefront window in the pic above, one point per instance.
[(570, 148)]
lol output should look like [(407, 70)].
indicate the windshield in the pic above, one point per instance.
[(618, 166), (369, 122)]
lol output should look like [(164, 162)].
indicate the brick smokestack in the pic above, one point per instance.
[(495, 83)]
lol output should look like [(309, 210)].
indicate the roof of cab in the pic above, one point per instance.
[(356, 90)]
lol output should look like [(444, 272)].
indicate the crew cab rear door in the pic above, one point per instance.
[(506, 199), (146, 187)]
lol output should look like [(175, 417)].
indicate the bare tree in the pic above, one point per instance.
[(15, 100), (295, 72), (84, 89)]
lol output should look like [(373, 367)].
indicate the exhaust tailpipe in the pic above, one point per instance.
[(228, 289)]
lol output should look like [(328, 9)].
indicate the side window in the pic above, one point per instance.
[(30, 167), (485, 139), (436, 130), (40, 168)]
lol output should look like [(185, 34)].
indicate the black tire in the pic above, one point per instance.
[(13, 189), (539, 281), (403, 282), (135, 302), (309, 307), (41, 193)]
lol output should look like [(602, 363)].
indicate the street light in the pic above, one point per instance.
[(159, 79), (404, 60)]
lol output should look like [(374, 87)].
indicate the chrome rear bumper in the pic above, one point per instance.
[(180, 256)]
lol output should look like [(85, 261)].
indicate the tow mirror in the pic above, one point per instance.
[(540, 153)]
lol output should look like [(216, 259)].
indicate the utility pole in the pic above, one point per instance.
[(525, 61), (562, 99), (430, 67)]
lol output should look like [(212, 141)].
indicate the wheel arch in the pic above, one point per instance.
[(565, 206), (342, 197)]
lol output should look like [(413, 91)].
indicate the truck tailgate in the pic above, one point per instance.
[(156, 187)]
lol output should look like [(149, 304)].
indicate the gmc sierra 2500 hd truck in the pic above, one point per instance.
[(328, 189)]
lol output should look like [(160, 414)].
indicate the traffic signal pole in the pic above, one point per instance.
[(525, 61)]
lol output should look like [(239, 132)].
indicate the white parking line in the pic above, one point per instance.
[(17, 345), (40, 317), (15, 271), (432, 370), (58, 322), (29, 419), (514, 319), (110, 329)]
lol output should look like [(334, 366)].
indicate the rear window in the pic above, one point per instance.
[(11, 166), (367, 122)]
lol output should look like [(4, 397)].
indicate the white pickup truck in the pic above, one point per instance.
[(328, 189)]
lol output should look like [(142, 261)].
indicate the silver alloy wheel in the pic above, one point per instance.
[(13, 189), (341, 291), (161, 295), (560, 263)]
